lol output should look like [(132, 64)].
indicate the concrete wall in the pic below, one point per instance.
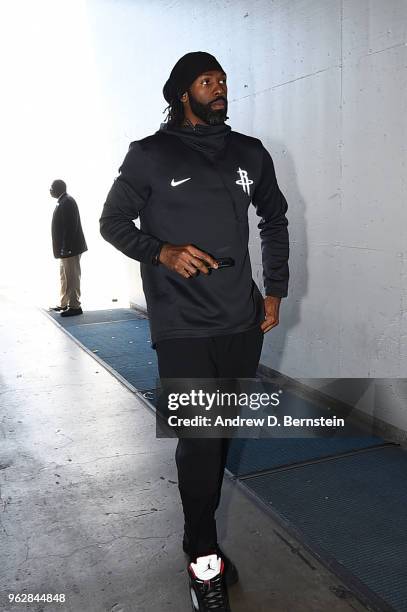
[(323, 85)]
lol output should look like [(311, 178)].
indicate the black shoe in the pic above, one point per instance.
[(208, 594), (231, 573), (72, 312), (57, 308)]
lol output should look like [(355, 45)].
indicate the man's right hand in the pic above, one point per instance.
[(186, 259)]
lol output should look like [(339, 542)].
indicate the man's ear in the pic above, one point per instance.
[(184, 97)]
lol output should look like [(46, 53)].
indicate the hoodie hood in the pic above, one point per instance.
[(210, 140)]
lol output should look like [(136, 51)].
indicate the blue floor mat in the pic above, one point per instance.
[(354, 509), (248, 456), (119, 337), (97, 316)]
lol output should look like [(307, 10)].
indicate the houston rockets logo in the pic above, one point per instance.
[(245, 182)]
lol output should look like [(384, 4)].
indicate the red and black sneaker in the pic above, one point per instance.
[(207, 585)]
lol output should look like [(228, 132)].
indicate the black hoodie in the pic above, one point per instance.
[(194, 186)]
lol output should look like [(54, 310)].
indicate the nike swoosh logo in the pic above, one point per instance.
[(174, 183)]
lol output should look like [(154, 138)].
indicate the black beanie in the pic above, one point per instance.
[(186, 70)]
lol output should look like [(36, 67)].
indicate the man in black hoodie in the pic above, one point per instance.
[(191, 184)]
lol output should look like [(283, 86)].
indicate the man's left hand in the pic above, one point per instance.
[(272, 308)]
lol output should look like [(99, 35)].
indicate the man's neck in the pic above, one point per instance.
[(188, 123)]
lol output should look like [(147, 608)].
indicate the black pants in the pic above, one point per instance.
[(201, 461)]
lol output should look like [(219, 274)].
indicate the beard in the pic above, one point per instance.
[(206, 112)]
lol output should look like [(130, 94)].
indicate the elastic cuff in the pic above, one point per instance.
[(276, 292), (156, 258)]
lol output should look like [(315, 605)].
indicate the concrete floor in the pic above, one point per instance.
[(89, 502)]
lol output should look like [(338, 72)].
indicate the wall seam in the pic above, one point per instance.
[(340, 334)]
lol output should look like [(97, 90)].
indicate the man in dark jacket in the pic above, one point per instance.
[(68, 244), (191, 184)]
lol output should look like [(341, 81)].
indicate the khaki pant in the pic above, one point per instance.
[(70, 272)]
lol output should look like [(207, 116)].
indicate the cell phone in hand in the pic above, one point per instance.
[(225, 262)]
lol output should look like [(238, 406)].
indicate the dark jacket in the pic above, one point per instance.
[(67, 235), (209, 210)]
